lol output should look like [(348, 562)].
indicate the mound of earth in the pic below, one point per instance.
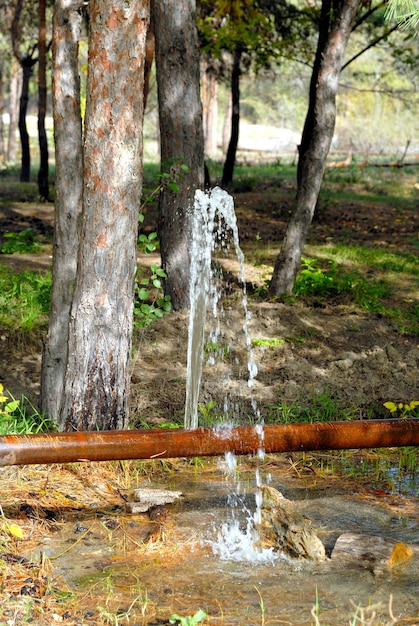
[(358, 360)]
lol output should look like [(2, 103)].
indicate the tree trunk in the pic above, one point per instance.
[(68, 199), (43, 185), (230, 161), (150, 45), (336, 21), (15, 90), (27, 63), (210, 109), (2, 144), (180, 113), (96, 387)]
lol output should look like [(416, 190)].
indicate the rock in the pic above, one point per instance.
[(285, 529), (378, 552), (146, 498), (363, 547), (400, 554)]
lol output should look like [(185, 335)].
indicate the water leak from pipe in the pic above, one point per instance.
[(214, 229)]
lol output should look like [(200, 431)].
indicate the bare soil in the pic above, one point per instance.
[(360, 359)]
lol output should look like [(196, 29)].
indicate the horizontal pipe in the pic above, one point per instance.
[(151, 444)]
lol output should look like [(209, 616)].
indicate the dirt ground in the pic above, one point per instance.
[(58, 516), (358, 358)]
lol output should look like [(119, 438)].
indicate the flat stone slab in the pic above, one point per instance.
[(373, 549), (146, 498)]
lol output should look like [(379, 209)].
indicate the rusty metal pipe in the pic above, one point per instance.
[(151, 444)]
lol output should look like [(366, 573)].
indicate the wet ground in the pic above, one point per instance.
[(107, 566)]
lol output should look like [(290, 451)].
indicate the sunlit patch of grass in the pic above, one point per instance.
[(377, 258), (20, 417), (376, 280), (24, 301), (322, 407)]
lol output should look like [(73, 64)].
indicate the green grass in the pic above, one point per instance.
[(24, 301), (321, 407), (20, 417)]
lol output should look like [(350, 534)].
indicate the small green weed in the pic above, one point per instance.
[(189, 620), (216, 351), (208, 414), (274, 342), (20, 417), (24, 242), (402, 409)]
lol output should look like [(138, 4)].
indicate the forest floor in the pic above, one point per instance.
[(304, 348), (70, 553)]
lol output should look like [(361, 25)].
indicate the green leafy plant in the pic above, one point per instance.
[(26, 241), (148, 307), (147, 243), (189, 620), (170, 179), (333, 281), (20, 416), (207, 413), (402, 409)]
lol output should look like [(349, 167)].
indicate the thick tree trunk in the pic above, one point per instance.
[(96, 387), (335, 27), (68, 199), (43, 184), (230, 161), (180, 113)]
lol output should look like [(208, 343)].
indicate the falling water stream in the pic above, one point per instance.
[(214, 226)]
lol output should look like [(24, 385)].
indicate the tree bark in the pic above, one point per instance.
[(15, 90), (68, 199), (97, 378), (43, 183), (336, 21), (230, 161), (27, 62), (2, 143), (180, 113), (209, 87)]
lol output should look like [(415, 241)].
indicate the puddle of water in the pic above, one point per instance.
[(182, 571)]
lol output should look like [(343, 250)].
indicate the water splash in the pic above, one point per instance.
[(236, 539), (214, 227), (213, 218)]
